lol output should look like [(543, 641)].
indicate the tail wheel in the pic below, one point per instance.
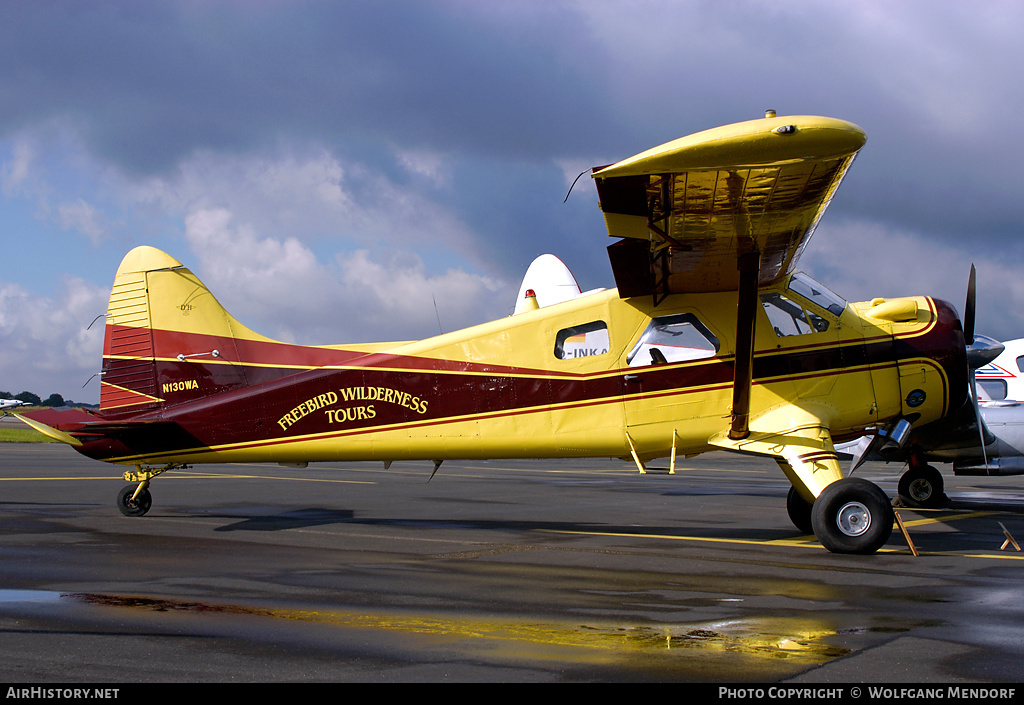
[(799, 511), (922, 486), (134, 507), (852, 515)]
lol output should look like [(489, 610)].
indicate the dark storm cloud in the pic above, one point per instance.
[(148, 83)]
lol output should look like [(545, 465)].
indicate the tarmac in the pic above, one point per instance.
[(493, 571)]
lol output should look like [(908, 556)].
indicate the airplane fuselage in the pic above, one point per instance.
[(574, 379)]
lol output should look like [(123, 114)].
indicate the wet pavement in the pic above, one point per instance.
[(493, 571)]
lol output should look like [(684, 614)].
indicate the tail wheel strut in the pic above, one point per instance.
[(135, 500)]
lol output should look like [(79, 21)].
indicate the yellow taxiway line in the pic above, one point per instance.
[(807, 541)]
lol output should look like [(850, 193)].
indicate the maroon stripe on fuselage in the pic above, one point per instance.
[(384, 390)]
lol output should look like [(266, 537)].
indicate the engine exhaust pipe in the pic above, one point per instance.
[(895, 438)]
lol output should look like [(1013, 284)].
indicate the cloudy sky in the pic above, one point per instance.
[(331, 169)]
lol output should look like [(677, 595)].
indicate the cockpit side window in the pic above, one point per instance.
[(789, 315), (676, 338), (790, 318), (582, 341)]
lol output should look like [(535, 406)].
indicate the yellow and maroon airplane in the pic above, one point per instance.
[(712, 340)]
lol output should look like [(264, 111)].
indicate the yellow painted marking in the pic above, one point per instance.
[(806, 542), (702, 539), (194, 476), (62, 479), (286, 479), (946, 518)]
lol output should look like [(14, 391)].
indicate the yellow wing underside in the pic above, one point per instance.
[(701, 201)]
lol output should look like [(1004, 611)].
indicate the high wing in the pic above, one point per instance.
[(686, 211), (727, 209)]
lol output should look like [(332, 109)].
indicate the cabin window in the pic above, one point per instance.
[(678, 338), (1020, 363), (790, 318), (995, 389), (582, 341)]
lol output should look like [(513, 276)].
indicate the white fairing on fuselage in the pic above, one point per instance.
[(550, 281)]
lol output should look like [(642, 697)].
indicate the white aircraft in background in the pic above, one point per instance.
[(11, 403), (990, 443), (1001, 382)]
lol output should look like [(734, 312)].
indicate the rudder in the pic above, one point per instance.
[(167, 339)]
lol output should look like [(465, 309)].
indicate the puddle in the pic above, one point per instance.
[(16, 596), (798, 639)]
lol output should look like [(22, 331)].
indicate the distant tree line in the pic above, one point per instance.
[(52, 400)]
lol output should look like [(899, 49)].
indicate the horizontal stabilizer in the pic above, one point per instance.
[(49, 431)]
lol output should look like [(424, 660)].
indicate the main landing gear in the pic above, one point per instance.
[(921, 486), (850, 515), (135, 500)]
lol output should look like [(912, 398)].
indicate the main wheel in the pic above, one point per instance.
[(922, 487), (852, 515), (134, 507), (799, 511)]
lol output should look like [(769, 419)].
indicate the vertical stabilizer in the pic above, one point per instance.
[(129, 362), (168, 340)]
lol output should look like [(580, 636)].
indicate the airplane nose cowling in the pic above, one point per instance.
[(933, 367)]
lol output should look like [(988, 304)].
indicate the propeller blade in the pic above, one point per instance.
[(977, 417), (969, 308), (978, 355)]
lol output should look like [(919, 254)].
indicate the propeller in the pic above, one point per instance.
[(969, 307), (981, 350)]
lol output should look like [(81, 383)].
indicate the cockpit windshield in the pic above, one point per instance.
[(811, 290)]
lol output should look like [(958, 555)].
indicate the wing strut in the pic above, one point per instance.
[(749, 265)]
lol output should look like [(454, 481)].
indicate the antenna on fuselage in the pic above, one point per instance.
[(437, 464), (574, 185), (438, 315)]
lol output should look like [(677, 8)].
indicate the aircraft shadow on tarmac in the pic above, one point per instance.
[(292, 519), (967, 533), (315, 516)]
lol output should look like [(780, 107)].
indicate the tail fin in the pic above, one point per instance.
[(167, 339)]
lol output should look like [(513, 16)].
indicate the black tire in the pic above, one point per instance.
[(922, 487), (852, 516), (799, 511), (137, 507)]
